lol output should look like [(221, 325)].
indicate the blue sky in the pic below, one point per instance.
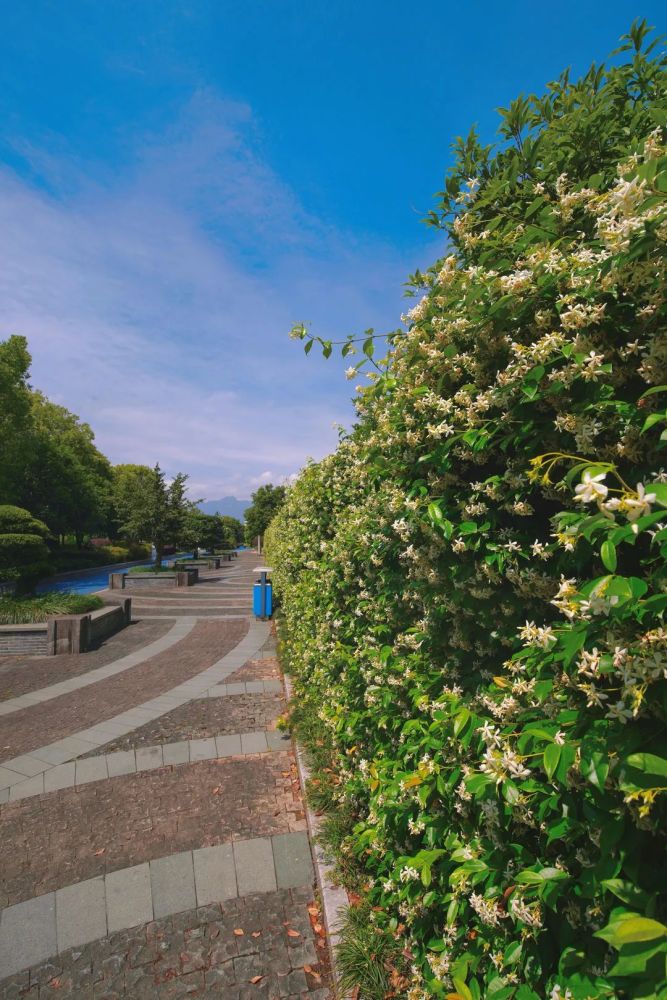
[(182, 181)]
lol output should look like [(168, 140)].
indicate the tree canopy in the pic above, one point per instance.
[(266, 501)]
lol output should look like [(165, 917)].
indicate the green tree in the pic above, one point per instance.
[(150, 508), (233, 531), (266, 502), (15, 414), (67, 480), (203, 531), (23, 550)]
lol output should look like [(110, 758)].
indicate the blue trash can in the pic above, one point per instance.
[(257, 609)]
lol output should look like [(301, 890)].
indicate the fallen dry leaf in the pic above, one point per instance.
[(311, 972), (239, 931), (256, 979), (318, 929), (313, 910), (256, 933), (101, 851), (217, 790), (292, 933)]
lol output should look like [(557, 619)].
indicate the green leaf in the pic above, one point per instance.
[(551, 759), (368, 347), (608, 555), (627, 892), (595, 768), (649, 763), (629, 928), (660, 490)]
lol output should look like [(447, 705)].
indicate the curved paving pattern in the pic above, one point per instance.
[(63, 718), (139, 868), (176, 633), (20, 675)]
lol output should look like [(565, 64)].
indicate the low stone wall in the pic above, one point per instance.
[(66, 633), (135, 581), (210, 563), (24, 640)]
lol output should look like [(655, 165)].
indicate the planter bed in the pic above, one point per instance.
[(136, 581), (65, 633)]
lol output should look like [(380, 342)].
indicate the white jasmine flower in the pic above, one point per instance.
[(591, 489)]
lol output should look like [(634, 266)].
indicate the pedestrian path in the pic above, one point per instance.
[(135, 869), (77, 914)]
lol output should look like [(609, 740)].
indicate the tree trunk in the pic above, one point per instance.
[(159, 552)]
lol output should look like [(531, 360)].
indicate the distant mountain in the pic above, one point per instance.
[(228, 505)]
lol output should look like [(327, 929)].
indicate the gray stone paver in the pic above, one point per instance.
[(147, 758), (176, 753), (255, 868), (61, 776), (129, 897), (27, 933), (254, 743), (121, 762), (292, 859), (81, 914), (203, 749), (85, 773), (228, 746), (24, 789), (215, 874), (173, 884)]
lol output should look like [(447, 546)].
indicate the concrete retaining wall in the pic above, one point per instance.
[(65, 633), (24, 640)]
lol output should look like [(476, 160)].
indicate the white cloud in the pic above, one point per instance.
[(157, 300)]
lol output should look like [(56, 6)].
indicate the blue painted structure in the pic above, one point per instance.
[(262, 600)]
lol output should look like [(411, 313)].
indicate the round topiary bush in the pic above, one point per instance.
[(23, 551)]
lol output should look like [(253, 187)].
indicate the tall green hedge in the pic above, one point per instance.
[(473, 586)]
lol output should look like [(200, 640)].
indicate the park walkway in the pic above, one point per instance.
[(153, 841)]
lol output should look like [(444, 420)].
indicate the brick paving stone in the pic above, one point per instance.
[(39, 725), (23, 674), (258, 669), (202, 718), (196, 950), (56, 839)]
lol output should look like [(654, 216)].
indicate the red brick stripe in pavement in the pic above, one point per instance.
[(39, 725)]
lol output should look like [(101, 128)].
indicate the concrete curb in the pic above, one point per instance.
[(334, 898)]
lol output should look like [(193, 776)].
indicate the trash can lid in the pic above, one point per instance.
[(263, 569)]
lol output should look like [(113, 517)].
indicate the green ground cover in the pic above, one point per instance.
[(473, 586), (26, 610)]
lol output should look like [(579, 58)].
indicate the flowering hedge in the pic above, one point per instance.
[(473, 585)]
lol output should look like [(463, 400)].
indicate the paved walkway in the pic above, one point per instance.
[(153, 842)]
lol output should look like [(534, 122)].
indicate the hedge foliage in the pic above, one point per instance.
[(473, 585)]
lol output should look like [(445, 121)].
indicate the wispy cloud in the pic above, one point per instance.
[(157, 299)]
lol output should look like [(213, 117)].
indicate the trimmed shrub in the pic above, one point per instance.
[(23, 550), (473, 587)]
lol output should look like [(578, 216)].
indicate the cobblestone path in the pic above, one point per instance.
[(153, 842)]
